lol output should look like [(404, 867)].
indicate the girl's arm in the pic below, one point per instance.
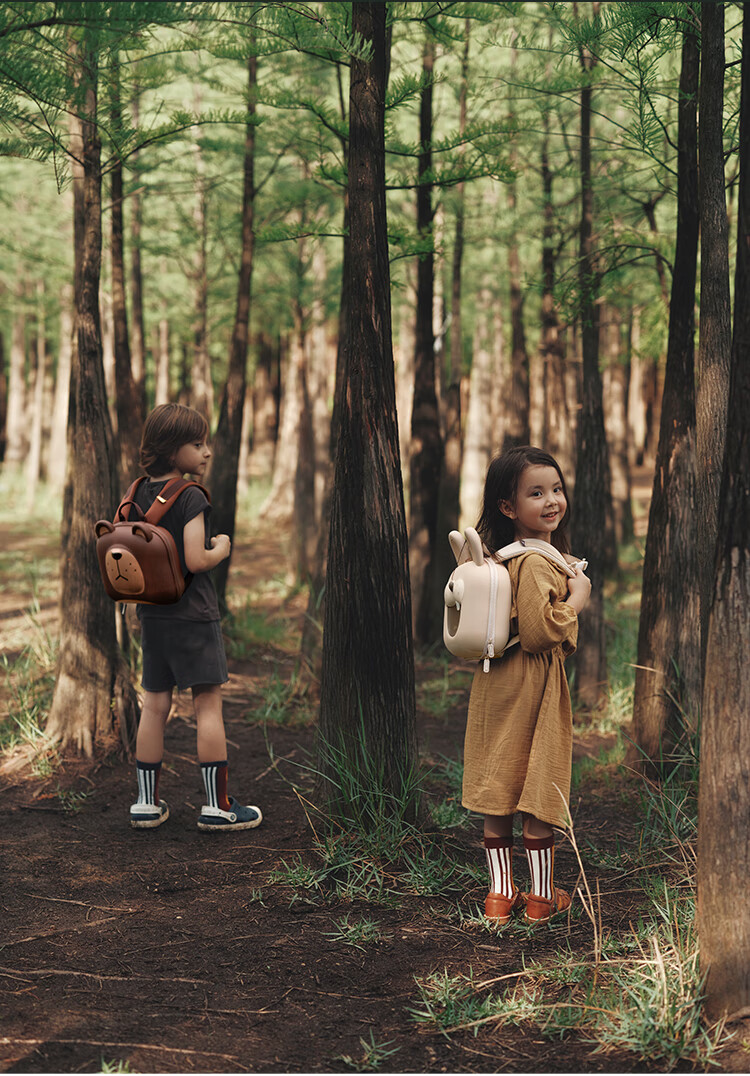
[(197, 557)]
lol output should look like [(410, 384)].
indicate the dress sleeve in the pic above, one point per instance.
[(545, 619)]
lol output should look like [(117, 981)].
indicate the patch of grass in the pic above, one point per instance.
[(358, 933), (374, 1054), (248, 628), (71, 801), (439, 688), (604, 768), (115, 1066), (285, 702), (30, 681)]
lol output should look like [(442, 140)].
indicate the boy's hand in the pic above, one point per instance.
[(579, 590), (222, 543)]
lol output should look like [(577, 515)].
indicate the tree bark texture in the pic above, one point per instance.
[(58, 439), (592, 510), (266, 390), (36, 402), (227, 439), (426, 442), (724, 791), (712, 372), (615, 385), (138, 335), (367, 709), (478, 439), (90, 671), (16, 443), (130, 414), (668, 672)]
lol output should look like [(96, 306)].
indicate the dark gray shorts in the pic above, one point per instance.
[(181, 652)]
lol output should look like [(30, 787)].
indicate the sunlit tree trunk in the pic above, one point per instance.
[(480, 435), (724, 792), (668, 670), (58, 431), (367, 709), (265, 408), (226, 441), (16, 443), (201, 383), (615, 392), (36, 400), (90, 671), (138, 335)]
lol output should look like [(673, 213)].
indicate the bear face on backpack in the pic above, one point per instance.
[(138, 559)]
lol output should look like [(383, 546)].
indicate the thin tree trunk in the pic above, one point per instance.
[(265, 409), (130, 415), (450, 477), (368, 709), (201, 384), (279, 506), (478, 439), (591, 515), (225, 463), (723, 798), (712, 373), (616, 379), (161, 377), (668, 671), (16, 443), (426, 443), (138, 334), (58, 435), (90, 670), (34, 456)]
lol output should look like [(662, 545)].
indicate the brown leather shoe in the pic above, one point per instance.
[(541, 910), (498, 909)]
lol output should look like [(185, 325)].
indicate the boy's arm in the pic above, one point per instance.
[(197, 557)]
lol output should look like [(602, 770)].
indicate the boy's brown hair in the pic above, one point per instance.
[(167, 429)]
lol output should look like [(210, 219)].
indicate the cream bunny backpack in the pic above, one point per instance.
[(476, 621)]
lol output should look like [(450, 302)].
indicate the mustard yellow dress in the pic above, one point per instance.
[(519, 730)]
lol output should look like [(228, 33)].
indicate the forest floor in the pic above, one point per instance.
[(178, 951)]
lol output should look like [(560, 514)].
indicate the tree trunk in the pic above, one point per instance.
[(592, 509), (450, 476), (201, 384), (668, 671), (161, 351), (130, 415), (138, 335), (265, 408), (427, 448), (558, 436), (367, 708), (712, 373), (279, 505), (226, 441), (478, 439), (616, 380), (90, 671), (16, 444), (35, 424), (724, 794), (58, 440)]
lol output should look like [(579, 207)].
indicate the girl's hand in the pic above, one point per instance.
[(579, 589), (222, 543)]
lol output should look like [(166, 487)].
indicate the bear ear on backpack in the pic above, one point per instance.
[(103, 526)]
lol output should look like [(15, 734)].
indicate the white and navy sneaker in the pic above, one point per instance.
[(148, 815), (237, 817)]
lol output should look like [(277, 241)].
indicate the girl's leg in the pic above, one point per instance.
[(221, 812), (149, 811), (498, 848), (544, 899)]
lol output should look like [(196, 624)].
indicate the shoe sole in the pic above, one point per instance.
[(150, 823), (212, 827)]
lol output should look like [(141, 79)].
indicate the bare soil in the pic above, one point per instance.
[(170, 950)]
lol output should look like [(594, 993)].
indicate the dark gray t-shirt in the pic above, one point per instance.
[(199, 601)]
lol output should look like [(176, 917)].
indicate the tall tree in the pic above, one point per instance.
[(724, 793), (367, 706), (426, 442), (715, 335), (225, 463), (668, 676), (590, 518), (90, 669)]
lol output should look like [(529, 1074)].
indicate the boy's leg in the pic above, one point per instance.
[(544, 899), (503, 896), (222, 812), (149, 811)]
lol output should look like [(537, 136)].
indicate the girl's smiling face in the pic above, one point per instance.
[(539, 504)]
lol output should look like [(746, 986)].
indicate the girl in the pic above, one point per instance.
[(182, 642), (517, 753)]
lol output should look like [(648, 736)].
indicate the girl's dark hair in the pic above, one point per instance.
[(167, 429), (496, 529)]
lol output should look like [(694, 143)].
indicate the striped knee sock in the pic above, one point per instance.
[(148, 781), (215, 783), (540, 852), (499, 852)]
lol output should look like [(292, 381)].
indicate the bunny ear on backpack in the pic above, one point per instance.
[(457, 543)]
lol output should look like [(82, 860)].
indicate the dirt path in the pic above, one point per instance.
[(174, 951)]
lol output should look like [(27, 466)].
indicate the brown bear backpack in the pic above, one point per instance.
[(138, 559)]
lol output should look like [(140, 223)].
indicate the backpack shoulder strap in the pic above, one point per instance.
[(127, 502), (168, 496), (534, 545)]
